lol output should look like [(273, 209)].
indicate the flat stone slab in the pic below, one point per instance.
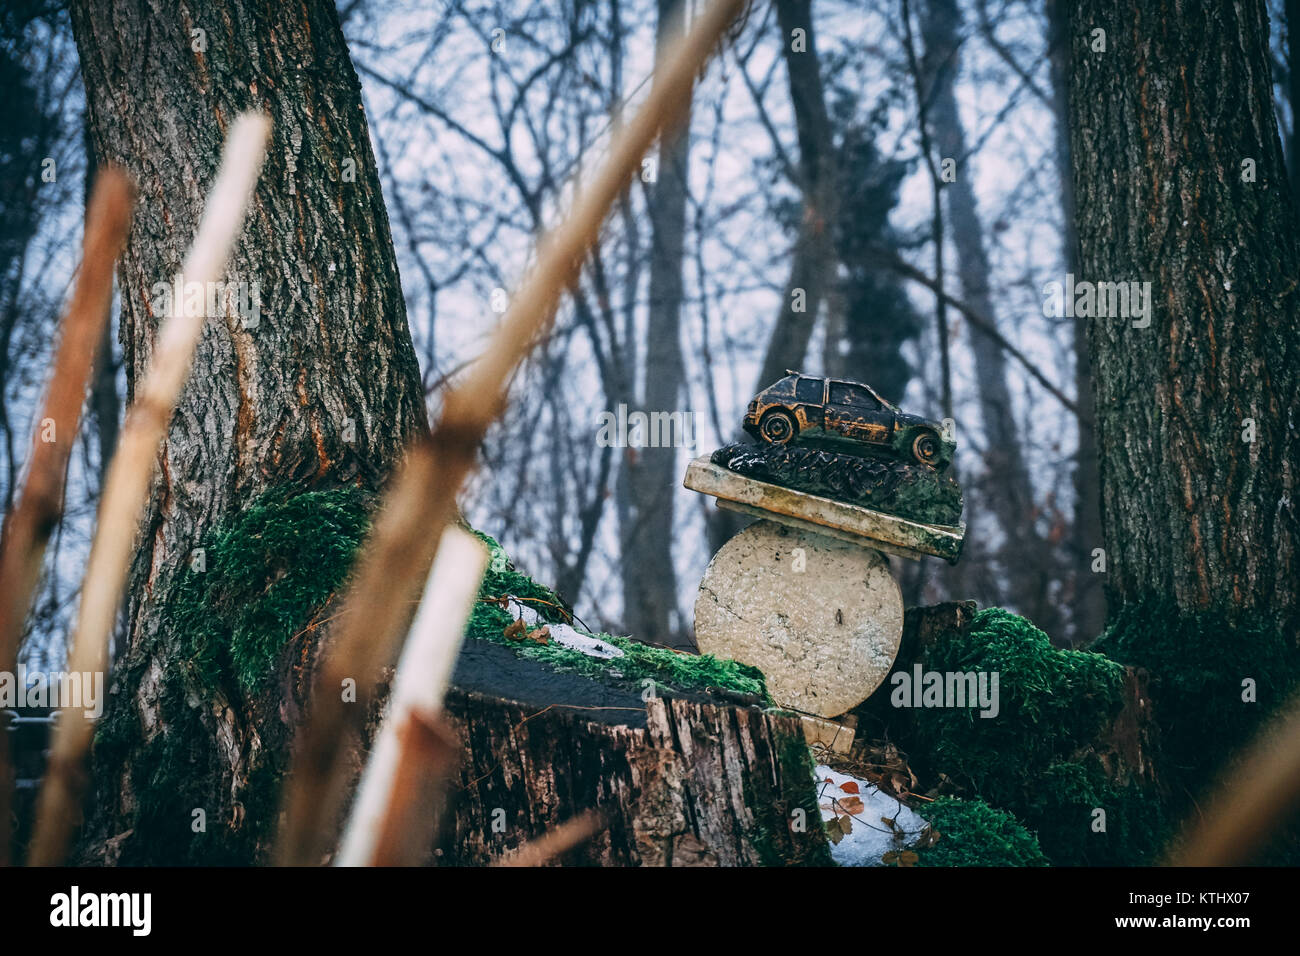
[(836, 519), (822, 618)]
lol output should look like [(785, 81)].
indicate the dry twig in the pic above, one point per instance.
[(403, 544), (1258, 798), (28, 528), (126, 487)]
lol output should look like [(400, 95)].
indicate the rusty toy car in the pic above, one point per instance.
[(799, 405)]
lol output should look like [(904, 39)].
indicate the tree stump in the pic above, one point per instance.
[(679, 781)]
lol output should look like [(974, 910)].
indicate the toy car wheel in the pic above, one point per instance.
[(925, 448), (777, 428)]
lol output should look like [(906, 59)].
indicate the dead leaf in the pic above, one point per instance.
[(850, 786), (846, 824), (852, 804), (515, 630), (541, 635)]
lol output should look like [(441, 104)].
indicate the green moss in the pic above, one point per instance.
[(972, 833), (1197, 662), (268, 570), (1060, 804), (1051, 702), (1032, 758), (639, 663)]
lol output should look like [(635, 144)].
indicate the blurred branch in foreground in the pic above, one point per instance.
[(126, 489), (1258, 797), (421, 502), (28, 528)]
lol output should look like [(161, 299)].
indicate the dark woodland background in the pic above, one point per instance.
[(821, 172)]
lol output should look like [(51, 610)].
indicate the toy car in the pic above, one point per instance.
[(800, 405)]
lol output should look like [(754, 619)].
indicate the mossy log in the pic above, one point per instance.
[(1127, 743), (684, 782)]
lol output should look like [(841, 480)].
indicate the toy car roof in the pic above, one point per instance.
[(844, 381)]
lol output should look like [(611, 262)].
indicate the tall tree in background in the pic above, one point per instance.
[(1293, 74), (26, 132), (322, 391), (1026, 562), (1180, 182), (814, 262), (1089, 595), (879, 319), (105, 405), (649, 580)]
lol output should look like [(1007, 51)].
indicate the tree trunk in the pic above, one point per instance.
[(649, 580), (1162, 121), (686, 783), (319, 390), (1089, 596), (1025, 560)]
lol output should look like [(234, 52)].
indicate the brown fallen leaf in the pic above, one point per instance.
[(846, 824), (541, 635), (515, 630), (852, 804), (850, 786)]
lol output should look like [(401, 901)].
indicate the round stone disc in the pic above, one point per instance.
[(822, 618)]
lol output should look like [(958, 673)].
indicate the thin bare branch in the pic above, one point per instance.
[(421, 501), (28, 528), (126, 487)]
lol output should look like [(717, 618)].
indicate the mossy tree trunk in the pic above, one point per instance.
[(321, 390), (1164, 122)]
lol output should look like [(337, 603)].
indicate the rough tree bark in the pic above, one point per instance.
[(323, 390), (686, 783), (649, 579), (1162, 122)]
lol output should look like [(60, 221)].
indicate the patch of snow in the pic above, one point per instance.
[(870, 837), (575, 640), (524, 612), (566, 635)]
